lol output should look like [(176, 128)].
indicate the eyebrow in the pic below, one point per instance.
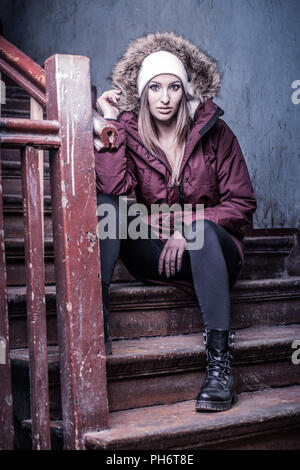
[(176, 81)]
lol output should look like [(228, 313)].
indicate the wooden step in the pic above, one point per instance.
[(165, 310), (167, 369), (15, 259), (138, 310), (248, 426), (268, 419)]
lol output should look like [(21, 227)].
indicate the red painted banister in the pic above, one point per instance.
[(23, 81), (20, 132), (31, 77), (32, 190), (69, 132), (6, 408), (11, 54), (38, 126)]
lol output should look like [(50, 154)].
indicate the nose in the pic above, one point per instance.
[(165, 96)]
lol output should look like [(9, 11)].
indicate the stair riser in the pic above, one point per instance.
[(184, 320), (133, 393), (162, 321), (285, 439), (159, 388), (16, 272), (264, 265)]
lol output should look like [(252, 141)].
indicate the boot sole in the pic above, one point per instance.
[(204, 405)]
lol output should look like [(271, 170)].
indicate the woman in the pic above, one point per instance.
[(172, 147)]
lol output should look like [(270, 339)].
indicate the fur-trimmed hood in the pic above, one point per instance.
[(203, 77)]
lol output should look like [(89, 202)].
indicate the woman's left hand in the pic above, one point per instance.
[(172, 254)]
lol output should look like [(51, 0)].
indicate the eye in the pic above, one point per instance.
[(152, 87), (177, 86)]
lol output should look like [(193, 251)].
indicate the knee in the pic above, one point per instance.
[(208, 227)]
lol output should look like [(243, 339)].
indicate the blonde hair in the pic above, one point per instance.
[(149, 132)]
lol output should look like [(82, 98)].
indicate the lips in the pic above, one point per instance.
[(164, 110)]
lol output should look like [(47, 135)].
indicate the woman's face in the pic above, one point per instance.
[(164, 96)]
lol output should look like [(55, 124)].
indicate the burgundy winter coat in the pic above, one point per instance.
[(213, 172)]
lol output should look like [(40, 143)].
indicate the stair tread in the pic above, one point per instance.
[(165, 351), (138, 286), (178, 425), (258, 337)]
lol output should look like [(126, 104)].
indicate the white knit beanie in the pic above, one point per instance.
[(165, 62)]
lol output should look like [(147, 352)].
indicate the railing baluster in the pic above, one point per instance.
[(35, 297), (77, 264), (6, 414)]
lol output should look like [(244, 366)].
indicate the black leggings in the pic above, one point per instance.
[(210, 268)]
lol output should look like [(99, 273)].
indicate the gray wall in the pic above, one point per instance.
[(256, 44)]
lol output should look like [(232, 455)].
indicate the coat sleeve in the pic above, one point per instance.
[(115, 171), (237, 200)]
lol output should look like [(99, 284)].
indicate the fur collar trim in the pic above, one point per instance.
[(203, 76)]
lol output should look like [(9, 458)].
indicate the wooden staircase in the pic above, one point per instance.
[(158, 359)]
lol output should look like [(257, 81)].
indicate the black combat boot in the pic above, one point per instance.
[(217, 392), (107, 337)]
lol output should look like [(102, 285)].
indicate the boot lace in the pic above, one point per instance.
[(219, 364)]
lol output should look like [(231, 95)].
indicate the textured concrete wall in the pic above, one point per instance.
[(256, 44)]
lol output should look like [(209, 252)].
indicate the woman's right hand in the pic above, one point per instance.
[(108, 103)]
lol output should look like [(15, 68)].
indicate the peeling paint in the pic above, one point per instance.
[(92, 238), (2, 351), (64, 201), (69, 306)]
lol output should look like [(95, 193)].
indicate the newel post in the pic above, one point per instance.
[(77, 264)]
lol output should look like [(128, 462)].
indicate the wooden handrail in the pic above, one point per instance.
[(24, 82), (23, 70), (31, 77), (20, 61), (38, 133), (35, 126)]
